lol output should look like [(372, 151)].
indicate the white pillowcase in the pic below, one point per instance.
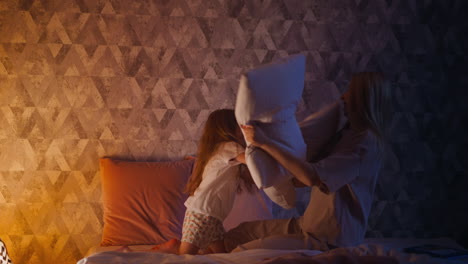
[(268, 97)]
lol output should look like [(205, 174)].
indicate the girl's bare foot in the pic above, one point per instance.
[(171, 246), (124, 249)]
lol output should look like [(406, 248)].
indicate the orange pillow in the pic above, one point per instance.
[(143, 201)]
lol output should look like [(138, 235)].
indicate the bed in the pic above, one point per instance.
[(143, 206), (377, 250)]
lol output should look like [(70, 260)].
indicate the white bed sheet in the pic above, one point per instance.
[(394, 247), (248, 256), (373, 246)]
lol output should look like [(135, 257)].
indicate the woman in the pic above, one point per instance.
[(342, 176)]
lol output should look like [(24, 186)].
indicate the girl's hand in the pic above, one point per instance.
[(253, 135), (241, 158)]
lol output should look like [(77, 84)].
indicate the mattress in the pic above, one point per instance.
[(371, 247)]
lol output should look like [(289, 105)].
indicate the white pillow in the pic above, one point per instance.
[(268, 97)]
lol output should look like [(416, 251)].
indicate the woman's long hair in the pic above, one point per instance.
[(220, 127), (369, 99)]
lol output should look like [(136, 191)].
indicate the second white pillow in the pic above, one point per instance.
[(268, 97)]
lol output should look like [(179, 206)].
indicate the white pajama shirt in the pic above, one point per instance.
[(337, 217)]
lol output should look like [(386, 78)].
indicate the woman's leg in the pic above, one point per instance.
[(285, 242), (250, 231)]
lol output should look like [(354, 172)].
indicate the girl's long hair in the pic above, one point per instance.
[(220, 127), (370, 100)]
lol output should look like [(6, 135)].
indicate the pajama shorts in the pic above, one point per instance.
[(201, 230)]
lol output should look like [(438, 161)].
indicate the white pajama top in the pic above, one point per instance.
[(349, 171), (217, 191)]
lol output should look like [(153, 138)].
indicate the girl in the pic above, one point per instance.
[(342, 175), (215, 180)]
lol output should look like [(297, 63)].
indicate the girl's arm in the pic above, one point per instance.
[(301, 170)]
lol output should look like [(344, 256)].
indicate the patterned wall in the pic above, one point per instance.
[(82, 79)]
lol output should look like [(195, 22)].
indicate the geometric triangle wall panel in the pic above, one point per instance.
[(136, 80)]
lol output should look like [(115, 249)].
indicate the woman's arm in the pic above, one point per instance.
[(301, 170), (297, 183)]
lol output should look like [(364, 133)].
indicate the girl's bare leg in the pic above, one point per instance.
[(188, 248), (171, 246), (217, 247)]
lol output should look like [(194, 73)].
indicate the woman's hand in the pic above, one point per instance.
[(302, 170), (253, 135)]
